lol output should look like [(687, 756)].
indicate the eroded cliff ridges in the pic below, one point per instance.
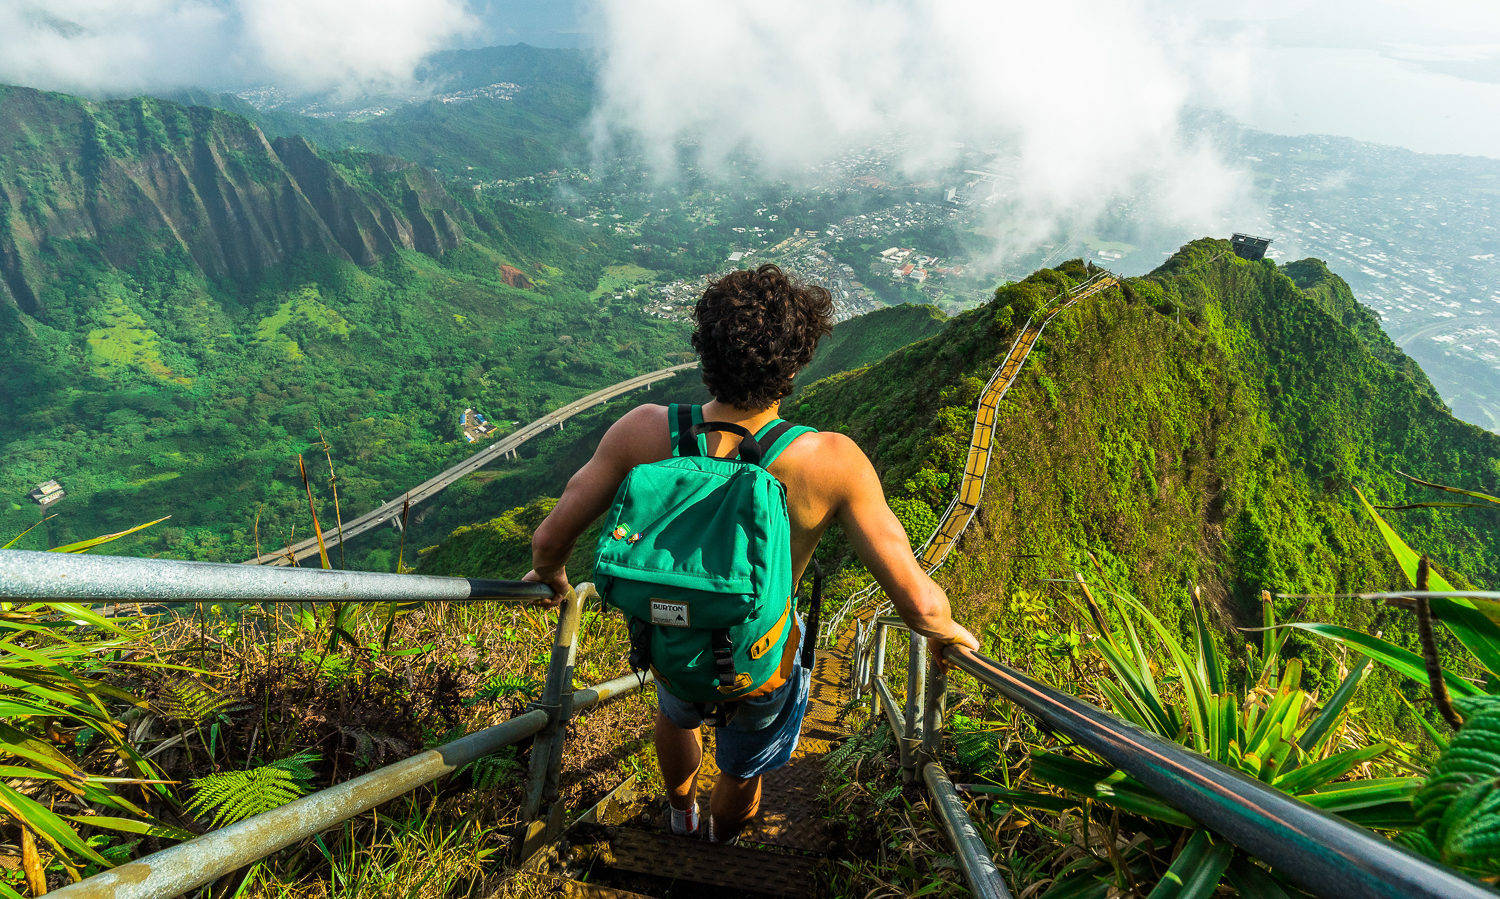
[(115, 180)]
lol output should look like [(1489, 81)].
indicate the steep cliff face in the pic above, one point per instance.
[(112, 181)]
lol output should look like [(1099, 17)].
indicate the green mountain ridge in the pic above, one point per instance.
[(868, 338), (1202, 426)]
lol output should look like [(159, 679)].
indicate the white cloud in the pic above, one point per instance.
[(121, 46), (371, 45), (1081, 98)]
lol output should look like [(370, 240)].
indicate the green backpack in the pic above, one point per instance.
[(697, 552)]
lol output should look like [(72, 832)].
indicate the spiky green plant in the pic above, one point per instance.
[(1458, 806), (1274, 731), (1473, 621), (231, 796), (61, 716)]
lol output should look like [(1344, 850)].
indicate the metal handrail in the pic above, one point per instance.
[(1314, 849), (984, 878), (29, 576), (202, 860)]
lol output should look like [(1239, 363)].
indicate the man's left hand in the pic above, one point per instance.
[(557, 580)]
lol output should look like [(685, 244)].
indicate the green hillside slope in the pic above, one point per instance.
[(187, 305), (869, 338), (1205, 427)]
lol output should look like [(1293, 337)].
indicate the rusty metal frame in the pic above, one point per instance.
[(542, 814)]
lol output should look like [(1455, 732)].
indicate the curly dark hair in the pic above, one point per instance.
[(755, 330)]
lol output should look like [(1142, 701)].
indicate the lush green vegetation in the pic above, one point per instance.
[(147, 370), (1157, 430), (869, 338), (1177, 438), (1200, 431), (203, 415)]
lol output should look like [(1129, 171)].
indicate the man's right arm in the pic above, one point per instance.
[(882, 545)]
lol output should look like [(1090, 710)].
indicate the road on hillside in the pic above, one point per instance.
[(389, 510)]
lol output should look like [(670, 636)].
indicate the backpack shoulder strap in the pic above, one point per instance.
[(680, 420), (777, 436)]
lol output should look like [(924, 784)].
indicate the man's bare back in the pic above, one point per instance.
[(827, 477)]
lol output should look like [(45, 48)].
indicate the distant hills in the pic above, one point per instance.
[(109, 182), (452, 124)]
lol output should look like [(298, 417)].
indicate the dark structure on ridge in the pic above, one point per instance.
[(1247, 247)]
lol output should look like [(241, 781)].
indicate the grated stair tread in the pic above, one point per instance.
[(677, 862), (781, 853), (577, 889)]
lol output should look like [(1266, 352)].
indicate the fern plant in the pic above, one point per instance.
[(491, 772), (232, 796), (192, 702), (506, 685)]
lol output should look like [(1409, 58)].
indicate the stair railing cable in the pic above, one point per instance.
[(27, 576), (932, 557), (1320, 852)]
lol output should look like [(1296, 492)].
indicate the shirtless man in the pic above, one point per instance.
[(754, 331)]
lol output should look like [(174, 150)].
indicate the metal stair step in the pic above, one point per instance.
[(687, 860), (581, 890)]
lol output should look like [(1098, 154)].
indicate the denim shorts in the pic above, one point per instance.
[(764, 731)]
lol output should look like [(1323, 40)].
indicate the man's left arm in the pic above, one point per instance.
[(587, 496)]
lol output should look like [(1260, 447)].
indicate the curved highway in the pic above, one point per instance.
[(507, 444)]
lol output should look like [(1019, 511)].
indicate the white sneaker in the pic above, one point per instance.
[(683, 823), (713, 838)]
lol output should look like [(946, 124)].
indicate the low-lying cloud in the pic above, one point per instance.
[(124, 46), (1081, 99)]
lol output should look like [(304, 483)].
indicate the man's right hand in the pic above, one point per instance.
[(959, 637)]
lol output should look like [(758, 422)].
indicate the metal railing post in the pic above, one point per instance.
[(542, 814), (973, 855), (916, 696), (877, 667), (860, 667), (932, 720)]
